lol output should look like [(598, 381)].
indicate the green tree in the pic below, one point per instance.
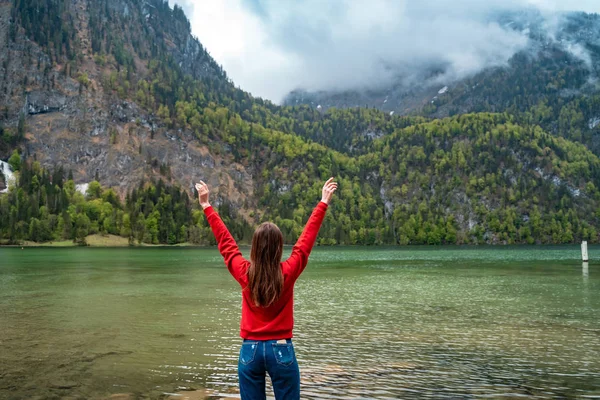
[(21, 127), (15, 161), (82, 226), (94, 190)]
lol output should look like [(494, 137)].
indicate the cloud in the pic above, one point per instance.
[(590, 6), (270, 47)]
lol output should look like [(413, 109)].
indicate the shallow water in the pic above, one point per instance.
[(371, 323)]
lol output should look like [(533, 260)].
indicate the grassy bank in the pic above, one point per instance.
[(91, 240)]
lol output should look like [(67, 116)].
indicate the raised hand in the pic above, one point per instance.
[(203, 191), (328, 189)]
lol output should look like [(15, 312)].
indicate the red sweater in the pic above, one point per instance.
[(277, 320)]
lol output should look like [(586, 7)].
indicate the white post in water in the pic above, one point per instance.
[(584, 252)]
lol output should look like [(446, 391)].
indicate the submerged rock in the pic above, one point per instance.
[(199, 394), (64, 384), (121, 396)]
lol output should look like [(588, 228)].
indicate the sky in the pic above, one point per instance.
[(271, 47)]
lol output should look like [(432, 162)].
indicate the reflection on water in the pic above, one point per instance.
[(370, 323)]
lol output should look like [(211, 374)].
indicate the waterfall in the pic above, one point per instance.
[(82, 188), (8, 175)]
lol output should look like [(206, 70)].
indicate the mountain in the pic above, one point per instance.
[(553, 82), (118, 95), (68, 69)]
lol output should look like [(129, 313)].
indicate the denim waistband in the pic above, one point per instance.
[(288, 341)]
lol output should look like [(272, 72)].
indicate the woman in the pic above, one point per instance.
[(267, 298)]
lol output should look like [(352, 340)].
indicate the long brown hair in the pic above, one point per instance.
[(265, 279)]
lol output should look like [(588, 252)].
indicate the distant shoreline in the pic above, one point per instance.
[(97, 241), (108, 241)]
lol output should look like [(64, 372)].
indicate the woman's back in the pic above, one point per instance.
[(277, 320)]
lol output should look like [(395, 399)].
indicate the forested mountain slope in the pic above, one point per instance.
[(552, 82), (120, 92)]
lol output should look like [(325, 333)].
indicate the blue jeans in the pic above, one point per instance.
[(259, 357)]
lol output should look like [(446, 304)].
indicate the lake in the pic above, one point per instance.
[(371, 323)]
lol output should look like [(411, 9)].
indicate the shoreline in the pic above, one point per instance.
[(97, 241), (113, 241)]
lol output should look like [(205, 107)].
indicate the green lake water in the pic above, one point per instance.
[(371, 323)]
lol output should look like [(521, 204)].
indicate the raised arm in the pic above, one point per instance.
[(301, 250), (236, 264)]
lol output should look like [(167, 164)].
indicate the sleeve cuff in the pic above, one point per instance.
[(323, 204), (209, 211)]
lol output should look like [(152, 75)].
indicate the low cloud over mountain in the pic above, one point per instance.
[(270, 47)]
